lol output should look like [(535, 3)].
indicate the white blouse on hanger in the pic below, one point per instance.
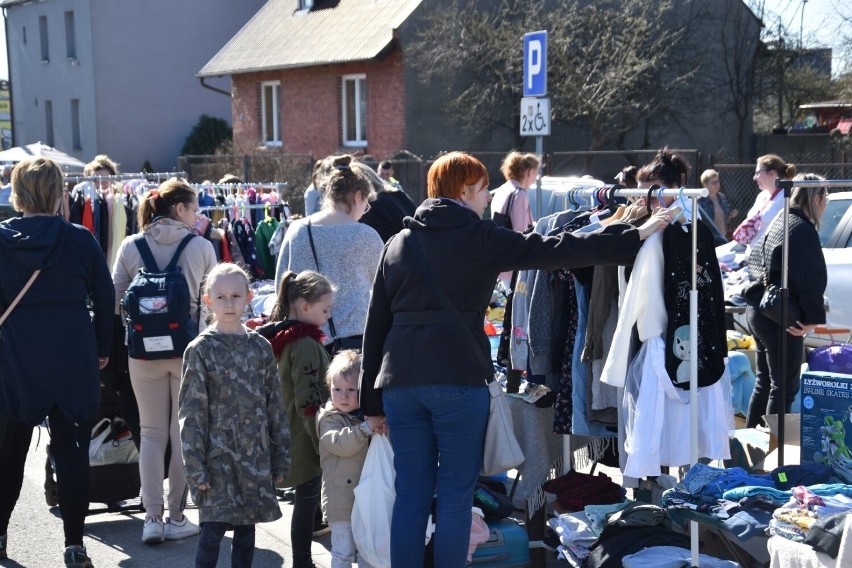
[(642, 305), (654, 411)]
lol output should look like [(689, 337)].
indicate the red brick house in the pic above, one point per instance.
[(318, 77)]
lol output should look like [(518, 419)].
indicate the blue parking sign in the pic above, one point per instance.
[(535, 64)]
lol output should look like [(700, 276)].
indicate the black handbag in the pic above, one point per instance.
[(770, 300), (504, 219)]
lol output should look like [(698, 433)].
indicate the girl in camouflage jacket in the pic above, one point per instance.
[(234, 433)]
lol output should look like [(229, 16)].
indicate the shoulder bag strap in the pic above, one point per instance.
[(20, 295), (145, 252), (439, 294), (173, 263), (316, 261), (511, 201)]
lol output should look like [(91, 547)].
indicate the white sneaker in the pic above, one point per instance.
[(177, 530), (153, 530)]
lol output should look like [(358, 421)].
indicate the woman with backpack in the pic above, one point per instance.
[(166, 217)]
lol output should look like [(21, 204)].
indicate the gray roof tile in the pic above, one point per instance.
[(280, 36)]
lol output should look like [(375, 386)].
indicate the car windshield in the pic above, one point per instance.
[(834, 212)]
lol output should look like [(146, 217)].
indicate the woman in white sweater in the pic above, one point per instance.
[(336, 245)]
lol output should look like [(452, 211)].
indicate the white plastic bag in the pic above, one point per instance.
[(374, 498), (105, 451)]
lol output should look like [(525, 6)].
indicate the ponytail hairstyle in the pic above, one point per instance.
[(308, 285), (343, 182), (161, 202), (806, 198), (776, 164), (515, 165), (667, 167)]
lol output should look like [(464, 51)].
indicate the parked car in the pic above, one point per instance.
[(835, 234)]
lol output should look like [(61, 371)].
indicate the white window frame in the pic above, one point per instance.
[(360, 140), (272, 139)]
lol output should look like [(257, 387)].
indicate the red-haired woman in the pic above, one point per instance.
[(418, 369)]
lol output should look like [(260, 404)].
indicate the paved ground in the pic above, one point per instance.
[(114, 539)]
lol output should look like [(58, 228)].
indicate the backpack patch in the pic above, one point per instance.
[(156, 308)]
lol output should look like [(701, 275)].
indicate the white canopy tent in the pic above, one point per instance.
[(38, 149)]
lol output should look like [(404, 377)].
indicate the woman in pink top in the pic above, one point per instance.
[(510, 205)]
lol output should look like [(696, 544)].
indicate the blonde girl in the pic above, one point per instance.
[(233, 430), (304, 304)]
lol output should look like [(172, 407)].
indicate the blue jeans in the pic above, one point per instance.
[(437, 432)]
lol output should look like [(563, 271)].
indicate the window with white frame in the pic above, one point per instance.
[(354, 110), (270, 103)]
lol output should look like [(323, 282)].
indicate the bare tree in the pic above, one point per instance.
[(736, 78), (620, 63), (611, 64), (472, 54)]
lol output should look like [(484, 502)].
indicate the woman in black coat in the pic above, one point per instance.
[(807, 278), (388, 207), (51, 349), (418, 367)]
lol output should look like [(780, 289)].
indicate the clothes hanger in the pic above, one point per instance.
[(650, 196)]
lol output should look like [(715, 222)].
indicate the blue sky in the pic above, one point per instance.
[(821, 26)]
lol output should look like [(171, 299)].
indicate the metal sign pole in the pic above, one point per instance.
[(539, 151)]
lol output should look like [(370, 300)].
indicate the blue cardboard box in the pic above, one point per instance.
[(826, 435)]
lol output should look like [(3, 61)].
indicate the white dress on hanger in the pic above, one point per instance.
[(655, 412)]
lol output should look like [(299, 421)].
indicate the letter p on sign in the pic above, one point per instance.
[(535, 64)]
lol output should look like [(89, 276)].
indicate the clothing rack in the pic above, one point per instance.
[(787, 185), (148, 176), (246, 206), (693, 194), (277, 185)]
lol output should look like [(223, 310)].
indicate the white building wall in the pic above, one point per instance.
[(134, 74)]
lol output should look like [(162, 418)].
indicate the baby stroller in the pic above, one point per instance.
[(115, 485)]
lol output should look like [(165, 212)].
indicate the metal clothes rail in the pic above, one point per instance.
[(147, 176), (787, 185), (610, 191)]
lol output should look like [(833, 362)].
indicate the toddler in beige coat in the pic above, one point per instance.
[(344, 435)]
